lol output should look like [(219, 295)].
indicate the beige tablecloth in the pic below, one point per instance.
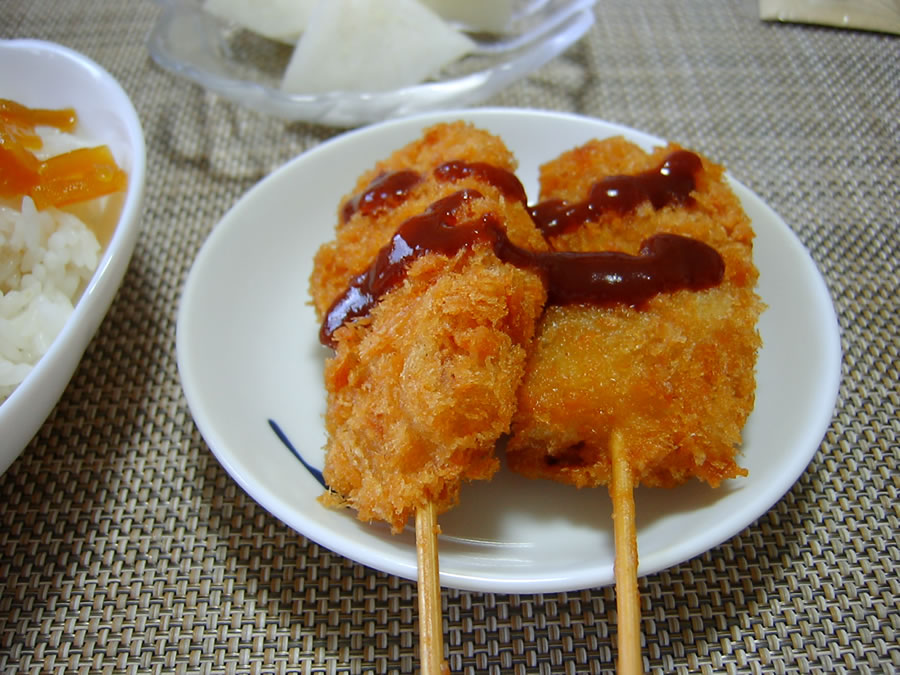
[(126, 547)]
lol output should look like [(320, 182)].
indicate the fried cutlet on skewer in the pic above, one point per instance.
[(406, 330), (421, 387), (654, 394), (430, 330), (676, 374)]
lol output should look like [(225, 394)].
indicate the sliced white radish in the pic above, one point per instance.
[(490, 16), (371, 45), (282, 20)]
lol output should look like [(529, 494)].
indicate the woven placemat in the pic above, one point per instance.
[(125, 547)]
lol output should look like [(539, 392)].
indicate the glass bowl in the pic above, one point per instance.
[(247, 68)]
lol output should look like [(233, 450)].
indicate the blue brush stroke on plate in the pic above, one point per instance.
[(290, 446)]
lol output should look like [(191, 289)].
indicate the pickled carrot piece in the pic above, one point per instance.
[(65, 179), (13, 132), (63, 119), (77, 176), (18, 170)]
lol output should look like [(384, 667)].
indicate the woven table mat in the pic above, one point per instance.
[(125, 546)]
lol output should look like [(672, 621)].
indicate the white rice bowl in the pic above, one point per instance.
[(57, 279)]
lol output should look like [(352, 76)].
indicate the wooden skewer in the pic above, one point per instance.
[(431, 635), (628, 601)]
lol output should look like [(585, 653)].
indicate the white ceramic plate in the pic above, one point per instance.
[(247, 69), (44, 74), (248, 353)]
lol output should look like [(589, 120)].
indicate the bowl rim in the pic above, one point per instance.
[(40, 388)]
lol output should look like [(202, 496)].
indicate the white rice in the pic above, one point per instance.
[(46, 260)]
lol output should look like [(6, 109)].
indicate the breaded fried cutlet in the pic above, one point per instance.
[(423, 379), (673, 375)]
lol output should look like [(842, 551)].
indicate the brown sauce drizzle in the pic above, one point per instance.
[(390, 189), (669, 183), (505, 181), (387, 191), (432, 231), (666, 263)]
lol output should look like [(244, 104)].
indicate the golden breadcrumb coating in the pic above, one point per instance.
[(421, 388), (675, 376), (359, 239)]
